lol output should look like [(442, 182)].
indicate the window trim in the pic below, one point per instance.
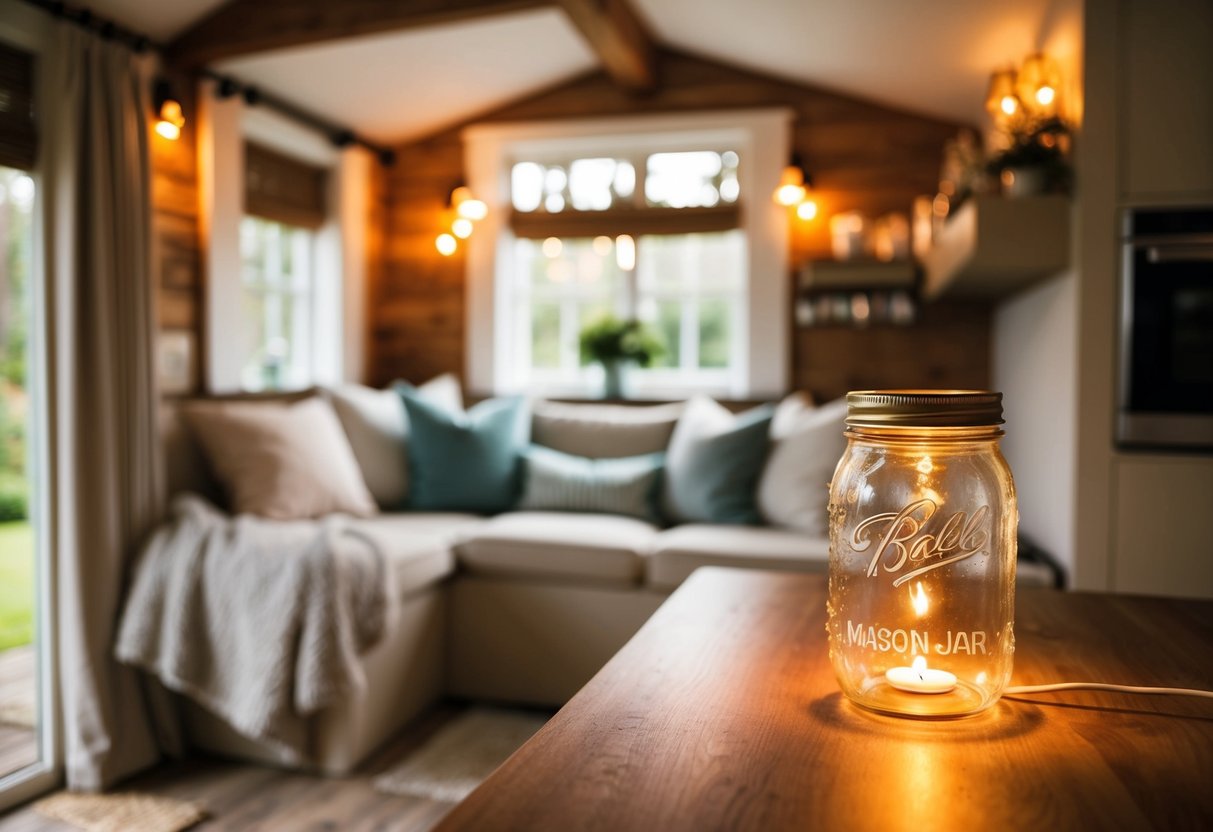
[(763, 138)]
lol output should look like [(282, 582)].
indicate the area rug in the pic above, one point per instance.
[(122, 812), (461, 755)]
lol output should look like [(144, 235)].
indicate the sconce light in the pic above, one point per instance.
[(1002, 102), (791, 190), (466, 205), (466, 209), (169, 116), (1037, 83), (794, 187)]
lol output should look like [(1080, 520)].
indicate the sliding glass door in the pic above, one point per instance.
[(26, 741)]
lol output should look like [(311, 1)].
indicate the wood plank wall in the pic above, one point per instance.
[(862, 156), (176, 247)]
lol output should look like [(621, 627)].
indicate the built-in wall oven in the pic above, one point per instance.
[(1166, 334)]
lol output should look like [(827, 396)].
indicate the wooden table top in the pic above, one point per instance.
[(723, 713)]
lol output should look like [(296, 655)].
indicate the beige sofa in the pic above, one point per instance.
[(523, 607)]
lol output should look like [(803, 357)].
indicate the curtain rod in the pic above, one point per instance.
[(227, 85)]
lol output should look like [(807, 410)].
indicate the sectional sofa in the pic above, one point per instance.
[(521, 607)]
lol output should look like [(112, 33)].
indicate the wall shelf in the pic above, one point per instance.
[(994, 246)]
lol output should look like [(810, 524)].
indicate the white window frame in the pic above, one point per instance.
[(339, 253), (760, 136)]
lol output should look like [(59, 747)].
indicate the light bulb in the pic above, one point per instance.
[(789, 194), (462, 228), (1009, 104), (446, 244), (1045, 96), (473, 209), (807, 210)]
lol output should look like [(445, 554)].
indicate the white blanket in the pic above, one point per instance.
[(260, 621)]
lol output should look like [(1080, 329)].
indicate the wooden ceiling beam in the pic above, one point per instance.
[(241, 27), (619, 38)]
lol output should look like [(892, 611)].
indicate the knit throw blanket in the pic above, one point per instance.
[(259, 621)]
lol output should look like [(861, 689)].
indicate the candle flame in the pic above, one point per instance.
[(919, 664), (918, 598)]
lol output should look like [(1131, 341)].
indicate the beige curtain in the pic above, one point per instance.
[(105, 467)]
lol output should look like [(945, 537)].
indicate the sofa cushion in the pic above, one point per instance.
[(418, 547), (794, 489), (564, 482), (465, 461), (375, 422), (680, 551), (713, 464), (603, 431), (280, 461), (597, 547)]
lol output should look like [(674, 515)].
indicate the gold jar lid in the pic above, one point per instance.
[(924, 408)]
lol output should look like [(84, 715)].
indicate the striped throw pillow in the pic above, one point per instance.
[(556, 481)]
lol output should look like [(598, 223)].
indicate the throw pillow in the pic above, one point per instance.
[(465, 461), (563, 482), (603, 431), (375, 422), (794, 488), (713, 464), (281, 461)]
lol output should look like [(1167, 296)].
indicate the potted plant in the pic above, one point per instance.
[(1036, 161), (616, 345)]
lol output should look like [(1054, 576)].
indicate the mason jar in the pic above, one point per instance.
[(922, 553)]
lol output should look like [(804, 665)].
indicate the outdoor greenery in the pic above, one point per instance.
[(609, 339), (16, 585)]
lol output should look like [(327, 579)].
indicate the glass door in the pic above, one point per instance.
[(26, 742)]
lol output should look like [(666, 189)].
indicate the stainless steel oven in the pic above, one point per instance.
[(1166, 332)]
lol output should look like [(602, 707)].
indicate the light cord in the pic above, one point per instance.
[(1021, 689)]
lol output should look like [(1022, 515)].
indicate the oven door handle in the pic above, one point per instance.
[(1180, 254)]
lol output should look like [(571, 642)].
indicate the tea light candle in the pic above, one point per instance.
[(920, 679)]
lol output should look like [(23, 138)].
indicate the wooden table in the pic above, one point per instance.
[(723, 713)]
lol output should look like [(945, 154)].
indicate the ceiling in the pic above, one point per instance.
[(931, 56)]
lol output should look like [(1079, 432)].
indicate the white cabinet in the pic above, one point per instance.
[(1163, 509), (1166, 81)]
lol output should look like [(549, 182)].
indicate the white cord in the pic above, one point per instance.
[(1019, 689)]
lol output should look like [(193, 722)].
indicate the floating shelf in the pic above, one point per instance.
[(994, 246), (849, 275)]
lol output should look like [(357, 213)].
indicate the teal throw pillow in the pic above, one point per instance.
[(556, 481), (465, 461), (713, 464)]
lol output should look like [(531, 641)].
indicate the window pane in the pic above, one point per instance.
[(685, 262), (590, 183), (688, 180), (276, 306), (545, 335), (714, 334), (19, 695), (526, 186)]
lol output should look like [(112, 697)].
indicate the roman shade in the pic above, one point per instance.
[(283, 189), (18, 139)]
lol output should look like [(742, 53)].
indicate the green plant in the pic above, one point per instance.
[(610, 339), (1041, 144), (14, 497)]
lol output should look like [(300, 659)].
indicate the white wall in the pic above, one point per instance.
[(1035, 355)]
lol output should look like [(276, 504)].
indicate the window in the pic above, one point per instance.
[(20, 712), (690, 288), (687, 240), (277, 302)]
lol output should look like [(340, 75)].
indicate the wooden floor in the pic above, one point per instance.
[(247, 797), (18, 741)]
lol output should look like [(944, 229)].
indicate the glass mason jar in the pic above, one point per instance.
[(922, 553)]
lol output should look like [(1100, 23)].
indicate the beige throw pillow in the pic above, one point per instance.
[(281, 461), (377, 427), (603, 431), (794, 489)]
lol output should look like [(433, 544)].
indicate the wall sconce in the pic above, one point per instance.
[(467, 209), (170, 118), (793, 191), (1032, 90)]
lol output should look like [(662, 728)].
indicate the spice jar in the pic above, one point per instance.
[(922, 553)]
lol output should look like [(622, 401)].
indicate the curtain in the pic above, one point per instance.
[(105, 478)]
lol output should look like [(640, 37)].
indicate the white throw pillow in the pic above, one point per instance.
[(281, 461), (795, 486), (377, 427), (603, 431)]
